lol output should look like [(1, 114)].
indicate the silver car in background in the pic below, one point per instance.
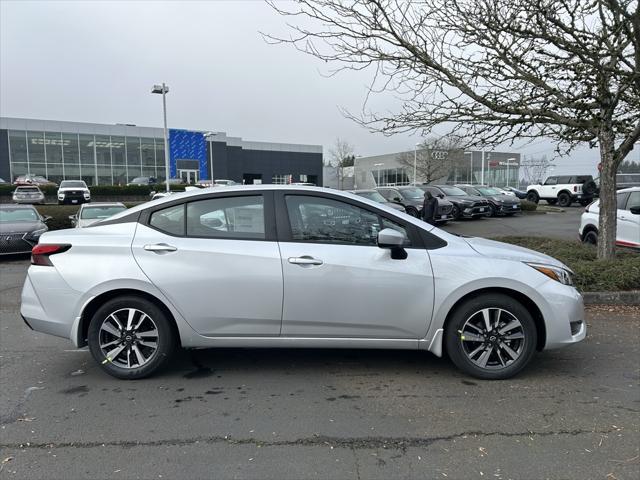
[(292, 266), (28, 195), (90, 213)]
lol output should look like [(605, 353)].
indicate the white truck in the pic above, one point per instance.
[(563, 190)]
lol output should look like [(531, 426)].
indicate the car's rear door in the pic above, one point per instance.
[(338, 282), (217, 260), (628, 223)]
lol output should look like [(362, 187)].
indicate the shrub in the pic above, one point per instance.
[(528, 206), (592, 275)]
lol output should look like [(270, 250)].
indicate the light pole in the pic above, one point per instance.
[(415, 163), (378, 165), (164, 89), (208, 136), (470, 167), (509, 163)]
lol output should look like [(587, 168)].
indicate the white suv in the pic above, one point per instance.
[(73, 191), (561, 189), (628, 230)]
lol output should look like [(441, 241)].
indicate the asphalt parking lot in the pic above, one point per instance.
[(318, 413), (562, 225)]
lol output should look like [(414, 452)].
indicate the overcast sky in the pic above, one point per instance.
[(95, 61)]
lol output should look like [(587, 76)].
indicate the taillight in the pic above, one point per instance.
[(575, 189), (40, 253)]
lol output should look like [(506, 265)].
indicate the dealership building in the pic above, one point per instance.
[(102, 154)]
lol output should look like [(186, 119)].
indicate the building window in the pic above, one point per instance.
[(281, 179), (391, 176)]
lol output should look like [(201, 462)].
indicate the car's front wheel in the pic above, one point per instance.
[(590, 238), (130, 337), (533, 196), (491, 337)]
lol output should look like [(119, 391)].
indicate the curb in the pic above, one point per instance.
[(612, 298)]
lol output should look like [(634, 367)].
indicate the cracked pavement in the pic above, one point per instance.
[(318, 413)]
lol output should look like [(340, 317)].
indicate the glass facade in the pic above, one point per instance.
[(96, 159)]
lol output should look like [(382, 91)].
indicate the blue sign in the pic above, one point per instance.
[(187, 145)]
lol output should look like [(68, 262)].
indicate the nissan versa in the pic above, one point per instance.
[(294, 266)]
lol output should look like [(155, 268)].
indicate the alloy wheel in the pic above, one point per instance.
[(128, 338), (492, 338)]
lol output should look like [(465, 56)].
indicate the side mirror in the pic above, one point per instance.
[(635, 210), (397, 199), (440, 195), (46, 218), (72, 217), (393, 240)]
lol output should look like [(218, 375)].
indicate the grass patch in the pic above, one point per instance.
[(592, 275)]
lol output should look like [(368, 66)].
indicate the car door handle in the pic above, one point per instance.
[(159, 248), (305, 260)]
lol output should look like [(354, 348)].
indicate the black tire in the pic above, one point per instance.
[(498, 365), (564, 199), (552, 201), (590, 237), (456, 212), (165, 339), (412, 211), (589, 187), (492, 211), (533, 196)]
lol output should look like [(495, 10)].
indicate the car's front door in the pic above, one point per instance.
[(338, 283), (628, 223), (217, 261)]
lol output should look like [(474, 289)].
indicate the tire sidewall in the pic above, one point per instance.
[(166, 339), (453, 344), (591, 235), (533, 197), (564, 200)]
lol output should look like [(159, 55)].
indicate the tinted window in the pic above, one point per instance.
[(73, 184), (565, 180), (551, 181), (581, 179), (316, 219), (621, 200), (227, 217), (169, 220), (453, 191), (375, 196), (634, 200), (413, 193)]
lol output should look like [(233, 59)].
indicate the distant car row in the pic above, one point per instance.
[(69, 192), (454, 202)]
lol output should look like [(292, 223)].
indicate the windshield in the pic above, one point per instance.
[(453, 191), (8, 215), (73, 184), (375, 196), (92, 213), (140, 180), (412, 193), (489, 191), (28, 189)]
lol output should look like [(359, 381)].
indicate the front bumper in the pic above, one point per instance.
[(563, 314), (15, 243)]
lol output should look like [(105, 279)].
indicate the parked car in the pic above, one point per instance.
[(253, 266), (412, 198), (563, 190), (157, 195), (521, 194), (628, 220), (504, 191), (20, 228), (73, 192), (375, 196), (30, 179), (222, 182), (464, 205), (91, 213), (143, 181), (30, 194), (499, 204)]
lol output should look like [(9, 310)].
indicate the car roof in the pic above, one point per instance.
[(14, 206), (103, 204), (630, 189), (364, 190)]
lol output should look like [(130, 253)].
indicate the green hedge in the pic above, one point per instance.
[(528, 206), (592, 275)]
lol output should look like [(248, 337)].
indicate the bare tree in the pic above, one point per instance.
[(496, 70), (433, 159), (341, 155), (534, 169)]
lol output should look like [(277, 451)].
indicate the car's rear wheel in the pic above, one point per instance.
[(131, 337), (564, 199), (491, 337), (455, 212), (590, 237), (412, 211), (492, 211), (533, 197)]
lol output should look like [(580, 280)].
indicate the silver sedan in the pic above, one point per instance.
[(294, 266)]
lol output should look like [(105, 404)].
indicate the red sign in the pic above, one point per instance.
[(494, 163)]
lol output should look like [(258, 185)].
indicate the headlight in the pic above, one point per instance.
[(558, 274), (36, 233)]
